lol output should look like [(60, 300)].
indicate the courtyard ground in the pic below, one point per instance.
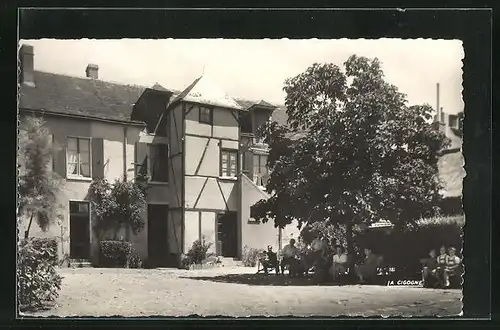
[(235, 292)]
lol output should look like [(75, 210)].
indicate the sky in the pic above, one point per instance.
[(257, 69)]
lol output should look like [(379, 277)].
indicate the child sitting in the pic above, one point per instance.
[(441, 265), (452, 265)]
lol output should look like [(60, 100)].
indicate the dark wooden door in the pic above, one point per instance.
[(79, 230), (227, 234), (158, 251)]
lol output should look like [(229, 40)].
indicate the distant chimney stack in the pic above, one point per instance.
[(92, 71), (26, 59)]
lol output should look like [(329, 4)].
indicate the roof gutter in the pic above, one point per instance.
[(75, 116)]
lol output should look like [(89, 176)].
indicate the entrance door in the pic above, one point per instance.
[(79, 230), (158, 251), (227, 234)]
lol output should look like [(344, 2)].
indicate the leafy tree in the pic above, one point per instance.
[(117, 205), (353, 152), (38, 184)]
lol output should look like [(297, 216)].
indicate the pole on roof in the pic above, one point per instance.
[(438, 109)]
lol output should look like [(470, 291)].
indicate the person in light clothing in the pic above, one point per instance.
[(289, 252), (339, 265), (452, 265)]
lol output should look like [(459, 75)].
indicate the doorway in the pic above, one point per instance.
[(79, 230), (227, 234), (158, 251)]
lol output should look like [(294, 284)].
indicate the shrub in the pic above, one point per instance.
[(186, 262), (134, 260), (199, 251), (250, 256), (114, 253), (38, 281), (48, 247)]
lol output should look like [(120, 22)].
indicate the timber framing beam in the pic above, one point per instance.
[(223, 197), (202, 156), (201, 192)]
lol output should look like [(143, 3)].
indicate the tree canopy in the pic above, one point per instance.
[(118, 205), (38, 184), (353, 152)]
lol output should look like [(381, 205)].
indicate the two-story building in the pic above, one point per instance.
[(197, 148)]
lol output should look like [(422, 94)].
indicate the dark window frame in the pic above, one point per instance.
[(227, 172), (153, 160), (203, 119)]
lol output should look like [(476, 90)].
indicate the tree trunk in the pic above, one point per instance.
[(27, 232), (350, 247)]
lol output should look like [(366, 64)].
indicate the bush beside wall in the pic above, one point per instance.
[(114, 254), (48, 247), (134, 260), (38, 281)]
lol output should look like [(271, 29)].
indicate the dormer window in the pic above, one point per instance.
[(206, 115)]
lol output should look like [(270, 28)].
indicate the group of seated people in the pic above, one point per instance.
[(437, 270), (317, 257)]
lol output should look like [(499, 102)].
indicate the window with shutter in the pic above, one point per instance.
[(78, 157)]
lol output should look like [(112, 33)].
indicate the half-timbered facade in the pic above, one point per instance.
[(197, 150)]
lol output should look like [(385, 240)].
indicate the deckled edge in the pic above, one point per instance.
[(465, 171), (18, 88)]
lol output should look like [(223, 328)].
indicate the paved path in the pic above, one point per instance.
[(171, 292)]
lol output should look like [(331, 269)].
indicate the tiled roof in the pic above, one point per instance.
[(245, 104), (203, 91), (80, 96), (102, 99)]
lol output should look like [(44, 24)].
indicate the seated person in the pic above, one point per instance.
[(270, 260), (290, 253), (368, 269), (452, 266), (441, 265), (429, 268), (339, 265)]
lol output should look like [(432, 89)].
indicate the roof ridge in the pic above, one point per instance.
[(93, 79)]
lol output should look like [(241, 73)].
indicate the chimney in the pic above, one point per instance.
[(26, 59), (92, 71)]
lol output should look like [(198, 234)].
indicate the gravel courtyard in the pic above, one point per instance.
[(172, 292)]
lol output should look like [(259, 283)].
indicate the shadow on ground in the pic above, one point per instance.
[(260, 279)]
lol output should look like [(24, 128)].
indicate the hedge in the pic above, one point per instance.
[(403, 249), (114, 254)]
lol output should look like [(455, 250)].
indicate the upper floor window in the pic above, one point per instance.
[(453, 121), (158, 155), (260, 170), (206, 115), (228, 163), (78, 157), (246, 122)]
